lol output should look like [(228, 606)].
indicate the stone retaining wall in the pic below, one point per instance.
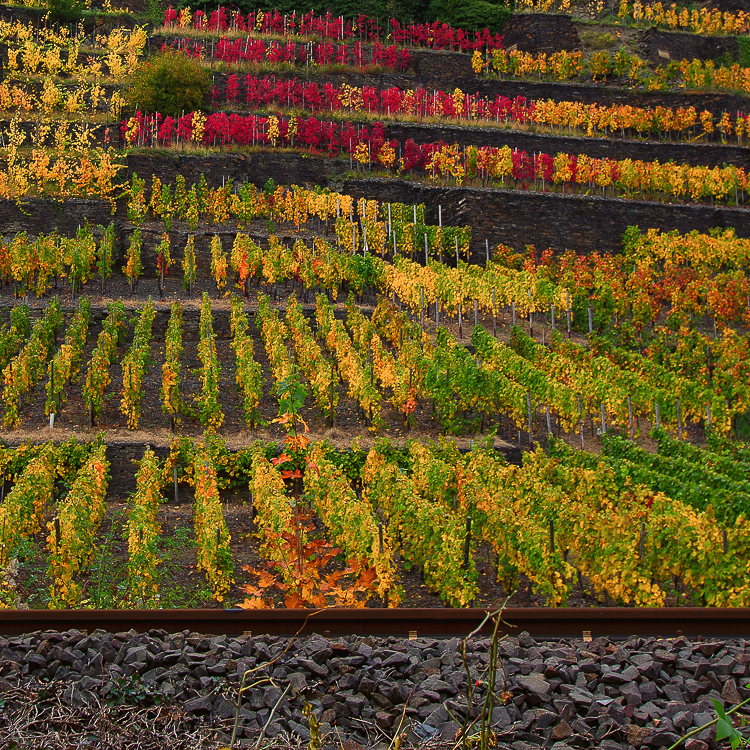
[(563, 222), (516, 218)]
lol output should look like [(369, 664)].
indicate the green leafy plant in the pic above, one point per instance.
[(65, 11), (292, 395), (725, 728), (595, 40), (169, 83), (472, 14)]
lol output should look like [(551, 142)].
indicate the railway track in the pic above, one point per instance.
[(539, 622)]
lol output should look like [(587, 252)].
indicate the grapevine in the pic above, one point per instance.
[(30, 364), (353, 524), (249, 376), (211, 533), (78, 519), (143, 534), (22, 512), (211, 415), (218, 263), (134, 366), (133, 268), (313, 364), (65, 365), (97, 377), (170, 371)]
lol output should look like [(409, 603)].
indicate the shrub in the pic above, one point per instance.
[(593, 40), (169, 83), (743, 57), (65, 11), (472, 14)]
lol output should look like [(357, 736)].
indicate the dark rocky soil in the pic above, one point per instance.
[(103, 690)]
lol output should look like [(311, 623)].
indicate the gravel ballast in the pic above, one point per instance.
[(182, 688)]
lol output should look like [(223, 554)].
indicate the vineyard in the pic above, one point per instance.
[(334, 333)]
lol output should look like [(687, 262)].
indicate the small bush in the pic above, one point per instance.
[(65, 11), (169, 83), (270, 187), (598, 41), (743, 56), (471, 14)]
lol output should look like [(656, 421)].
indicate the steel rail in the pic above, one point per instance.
[(406, 622)]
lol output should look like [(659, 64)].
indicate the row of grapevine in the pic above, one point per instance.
[(695, 250), (352, 368), (706, 20), (30, 364), (170, 379), (211, 532), (432, 537), (14, 334), (22, 511), (72, 533), (249, 377), (293, 53), (353, 524), (735, 468), (143, 533), (710, 21), (230, 21), (135, 364), (316, 368), (211, 415), (97, 376), (275, 334), (567, 66), (693, 483), (244, 203), (66, 364), (274, 513)]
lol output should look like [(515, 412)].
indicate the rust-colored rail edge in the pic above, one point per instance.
[(539, 622)]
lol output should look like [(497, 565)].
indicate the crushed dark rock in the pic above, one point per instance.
[(639, 693)]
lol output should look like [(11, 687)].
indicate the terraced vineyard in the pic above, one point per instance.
[(391, 314)]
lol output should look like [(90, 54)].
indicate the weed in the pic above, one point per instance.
[(595, 40), (108, 577), (130, 691), (32, 574), (179, 595)]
